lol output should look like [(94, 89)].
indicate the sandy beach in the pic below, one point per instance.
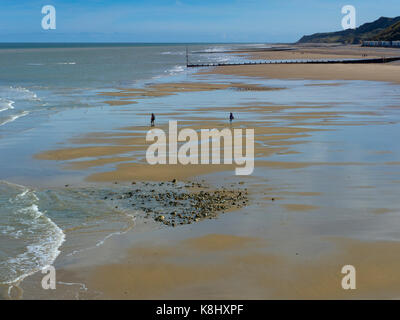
[(323, 193), (161, 272), (370, 72)]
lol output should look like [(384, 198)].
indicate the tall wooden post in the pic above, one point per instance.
[(187, 57)]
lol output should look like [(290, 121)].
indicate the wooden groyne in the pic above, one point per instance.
[(301, 61)]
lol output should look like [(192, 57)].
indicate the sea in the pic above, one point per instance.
[(49, 94), (38, 84)]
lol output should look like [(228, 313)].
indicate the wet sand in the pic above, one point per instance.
[(268, 141), (372, 72), (225, 266), (321, 51), (308, 215), (110, 147), (167, 89), (248, 273)]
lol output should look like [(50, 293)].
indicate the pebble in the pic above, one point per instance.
[(156, 200)]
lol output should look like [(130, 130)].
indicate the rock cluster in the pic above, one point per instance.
[(174, 203)]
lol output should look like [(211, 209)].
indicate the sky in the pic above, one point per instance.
[(263, 21)]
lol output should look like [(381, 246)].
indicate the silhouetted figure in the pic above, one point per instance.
[(231, 117), (153, 118)]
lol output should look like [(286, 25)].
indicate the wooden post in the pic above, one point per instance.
[(187, 57)]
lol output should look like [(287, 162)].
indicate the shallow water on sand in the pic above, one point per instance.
[(38, 83), (49, 93), (41, 217)]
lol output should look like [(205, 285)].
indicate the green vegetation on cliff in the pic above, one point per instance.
[(381, 29), (391, 33)]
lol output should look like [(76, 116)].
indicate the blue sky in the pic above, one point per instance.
[(182, 20)]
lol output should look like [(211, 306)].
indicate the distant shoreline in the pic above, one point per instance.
[(371, 72)]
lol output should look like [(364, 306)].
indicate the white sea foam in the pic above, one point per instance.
[(14, 117), (18, 93), (81, 285), (65, 62), (6, 104), (216, 49), (132, 217), (178, 53), (175, 70), (42, 236)]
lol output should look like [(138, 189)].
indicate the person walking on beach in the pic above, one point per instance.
[(153, 118), (231, 117)]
